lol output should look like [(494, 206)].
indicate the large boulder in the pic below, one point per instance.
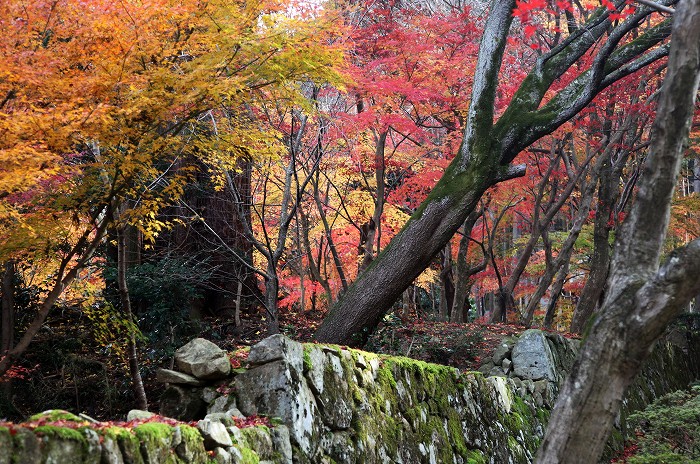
[(203, 359), (532, 357)]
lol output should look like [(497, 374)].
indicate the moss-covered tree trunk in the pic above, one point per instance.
[(643, 297), (487, 150)]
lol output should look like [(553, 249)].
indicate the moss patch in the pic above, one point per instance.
[(55, 415)]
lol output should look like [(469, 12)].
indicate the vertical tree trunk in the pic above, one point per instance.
[(271, 299), (447, 284), (642, 297), (132, 354), (555, 294), (7, 321)]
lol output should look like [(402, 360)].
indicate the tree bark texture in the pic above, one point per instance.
[(487, 150), (7, 321), (132, 354), (642, 297)]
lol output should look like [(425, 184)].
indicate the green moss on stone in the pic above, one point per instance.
[(307, 358), (56, 415), (65, 433), (117, 432), (249, 456), (476, 457), (191, 434), (153, 430)]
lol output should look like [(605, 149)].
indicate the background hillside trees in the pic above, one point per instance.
[(487, 150), (108, 110)]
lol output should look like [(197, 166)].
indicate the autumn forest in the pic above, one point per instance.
[(341, 171)]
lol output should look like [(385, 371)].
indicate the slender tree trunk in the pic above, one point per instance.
[(132, 354), (271, 299), (593, 289), (463, 274), (555, 294), (642, 297), (447, 285), (370, 231), (7, 321)]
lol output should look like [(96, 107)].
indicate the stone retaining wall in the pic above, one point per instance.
[(332, 404)]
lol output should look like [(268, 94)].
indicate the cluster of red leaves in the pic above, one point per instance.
[(251, 421), (239, 358), (626, 453), (17, 372)]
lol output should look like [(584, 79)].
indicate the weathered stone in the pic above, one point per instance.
[(220, 417), (335, 402), (130, 448), (214, 433), (275, 348), (191, 446), (180, 378), (182, 403), (111, 454), (5, 446), (486, 368), (500, 353), (221, 456), (203, 359), (27, 447), (501, 392), (282, 444), (155, 442), (59, 450), (260, 440), (222, 404), (506, 365), (532, 358), (137, 414), (234, 412), (93, 450)]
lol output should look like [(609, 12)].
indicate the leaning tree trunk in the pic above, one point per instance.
[(642, 297), (487, 150)]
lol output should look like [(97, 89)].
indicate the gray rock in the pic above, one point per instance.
[(328, 381), (93, 451), (486, 368), (278, 389), (221, 404), (259, 439), (57, 450), (180, 378), (111, 454), (220, 417), (282, 444), (221, 456), (214, 433), (5, 446), (275, 348), (203, 359), (234, 412), (500, 353), (506, 365), (532, 358), (182, 403), (135, 414)]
